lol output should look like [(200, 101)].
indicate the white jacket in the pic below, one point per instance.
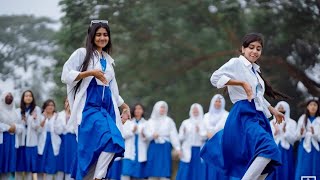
[(29, 136), (54, 127), (129, 137), (309, 138), (71, 70)]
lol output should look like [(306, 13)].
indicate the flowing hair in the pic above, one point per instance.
[(91, 48)]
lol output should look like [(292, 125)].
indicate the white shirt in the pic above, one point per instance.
[(52, 126), (309, 138), (129, 137), (71, 70), (165, 128), (29, 137), (241, 69), (66, 125), (190, 137)]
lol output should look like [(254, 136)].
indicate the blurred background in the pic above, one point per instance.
[(164, 50)]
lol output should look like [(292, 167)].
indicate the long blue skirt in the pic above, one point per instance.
[(194, 170), (27, 159), (134, 169), (246, 135), (286, 171), (98, 131), (8, 153), (48, 161), (159, 160), (67, 152), (308, 164), (114, 171)]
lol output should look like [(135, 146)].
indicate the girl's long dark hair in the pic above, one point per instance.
[(91, 47), (46, 103), (134, 108), (23, 105), (307, 113), (269, 91)]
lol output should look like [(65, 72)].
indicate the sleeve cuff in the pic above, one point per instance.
[(120, 101), (223, 81)]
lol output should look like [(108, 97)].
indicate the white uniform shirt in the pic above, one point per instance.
[(188, 134), (309, 138), (70, 72), (288, 137), (129, 137), (241, 69)]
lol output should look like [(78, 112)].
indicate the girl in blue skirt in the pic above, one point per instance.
[(49, 140), (192, 133), (68, 146), (135, 156), (284, 135), (27, 153), (9, 125), (94, 100), (161, 131), (245, 147), (308, 132)]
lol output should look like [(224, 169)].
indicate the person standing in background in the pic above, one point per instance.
[(192, 134), (27, 153), (284, 135), (161, 131)]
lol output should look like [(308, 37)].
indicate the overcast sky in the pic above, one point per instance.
[(37, 8)]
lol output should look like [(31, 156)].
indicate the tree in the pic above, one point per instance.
[(26, 43)]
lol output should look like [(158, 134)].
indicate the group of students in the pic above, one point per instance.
[(35, 142)]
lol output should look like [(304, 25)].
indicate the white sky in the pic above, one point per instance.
[(48, 8)]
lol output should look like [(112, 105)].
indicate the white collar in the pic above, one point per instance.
[(247, 63)]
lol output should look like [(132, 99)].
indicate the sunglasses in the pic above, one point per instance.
[(99, 21)]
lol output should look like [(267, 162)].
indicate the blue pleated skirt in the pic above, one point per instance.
[(98, 131), (134, 169), (286, 170), (67, 152), (194, 170), (159, 160), (48, 161), (246, 135), (114, 171), (308, 164), (8, 153)]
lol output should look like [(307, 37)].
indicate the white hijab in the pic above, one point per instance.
[(286, 107), (155, 115), (216, 114), (8, 114), (200, 115)]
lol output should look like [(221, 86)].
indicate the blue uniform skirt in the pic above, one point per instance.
[(8, 153), (98, 131), (246, 135), (194, 170), (308, 164), (114, 171), (134, 169), (159, 160), (48, 161), (67, 152), (27, 159), (286, 171)]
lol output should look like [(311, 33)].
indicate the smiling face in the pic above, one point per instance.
[(312, 108), (27, 98), (252, 52), (101, 38)]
